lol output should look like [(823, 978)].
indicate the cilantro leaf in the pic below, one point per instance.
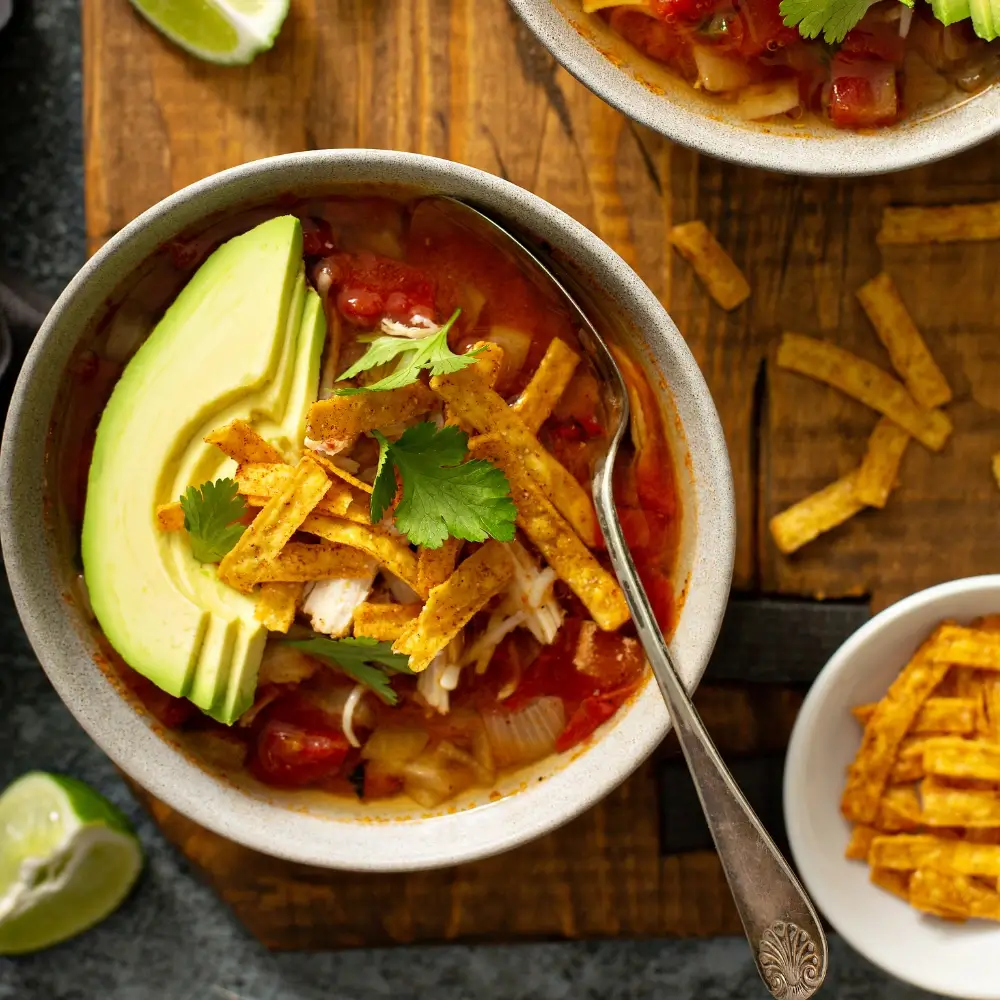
[(831, 18), (210, 513), (442, 494), (431, 352), (364, 660)]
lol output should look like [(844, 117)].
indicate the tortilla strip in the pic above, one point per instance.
[(386, 549), (967, 647), (821, 511), (451, 605), (434, 566), (898, 810), (879, 469), (384, 622), (487, 364), (554, 537), (908, 852), (953, 757), (864, 382), (945, 805), (908, 768), (299, 562), (940, 224), (955, 716), (907, 349), (257, 480), (339, 420), (243, 444), (170, 516), (860, 843), (953, 895), (995, 464), (723, 279), (898, 883), (335, 470), (277, 604), (895, 714), (535, 404), (274, 526), (481, 407)]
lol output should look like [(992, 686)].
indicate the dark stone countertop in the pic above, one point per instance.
[(173, 940)]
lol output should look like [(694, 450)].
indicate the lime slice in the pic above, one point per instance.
[(67, 859), (230, 32)]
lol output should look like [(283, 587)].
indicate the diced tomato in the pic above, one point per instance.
[(582, 723), (317, 238), (296, 744), (659, 39), (683, 10), (881, 41), (764, 28), (660, 591), (369, 287), (863, 93)]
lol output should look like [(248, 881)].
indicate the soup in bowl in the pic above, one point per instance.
[(300, 521)]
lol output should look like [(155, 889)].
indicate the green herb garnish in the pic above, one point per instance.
[(210, 515), (431, 352), (832, 19), (442, 493), (364, 660)]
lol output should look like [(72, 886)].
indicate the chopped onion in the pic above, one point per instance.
[(718, 73), (515, 344), (390, 745), (347, 718), (436, 775), (763, 100), (527, 734), (282, 664)]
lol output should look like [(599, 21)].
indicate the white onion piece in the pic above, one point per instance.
[(718, 73), (347, 718), (766, 99), (436, 775), (390, 745), (528, 734)]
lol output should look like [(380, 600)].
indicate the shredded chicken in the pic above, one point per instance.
[(418, 327), (437, 682), (331, 603), (531, 592), (347, 718)]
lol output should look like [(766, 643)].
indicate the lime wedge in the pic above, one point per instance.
[(67, 859), (229, 32)]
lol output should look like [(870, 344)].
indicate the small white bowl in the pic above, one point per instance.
[(958, 960)]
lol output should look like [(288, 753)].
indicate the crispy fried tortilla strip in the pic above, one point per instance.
[(555, 539), (898, 810), (384, 622), (481, 407), (299, 562), (170, 516), (277, 604), (723, 279), (335, 470), (860, 843), (967, 647), (991, 702), (955, 716), (487, 365), (898, 883), (452, 604), (866, 383), (434, 566), (895, 714), (954, 895), (339, 420), (243, 444), (908, 852), (274, 526), (995, 462), (953, 757), (822, 511), (535, 404), (907, 769), (386, 549), (879, 469), (946, 805), (908, 352), (940, 224), (260, 481)]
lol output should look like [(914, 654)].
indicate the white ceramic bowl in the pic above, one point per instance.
[(959, 960), (313, 828), (646, 91)]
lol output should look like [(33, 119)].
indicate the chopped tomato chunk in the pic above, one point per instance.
[(582, 723), (369, 286), (296, 744), (863, 93), (764, 30), (683, 10)]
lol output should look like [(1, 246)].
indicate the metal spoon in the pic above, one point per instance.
[(782, 926)]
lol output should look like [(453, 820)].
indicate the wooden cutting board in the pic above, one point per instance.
[(463, 79)]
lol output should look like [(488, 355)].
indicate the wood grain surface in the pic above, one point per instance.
[(463, 79)]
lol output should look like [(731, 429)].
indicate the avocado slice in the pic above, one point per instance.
[(951, 11), (242, 339), (985, 18)]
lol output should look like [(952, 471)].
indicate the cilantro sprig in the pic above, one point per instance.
[(442, 493), (363, 660), (210, 515), (431, 352), (832, 19)]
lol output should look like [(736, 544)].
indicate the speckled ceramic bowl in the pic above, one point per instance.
[(647, 92), (39, 550)]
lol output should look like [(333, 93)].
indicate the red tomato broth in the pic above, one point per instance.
[(294, 741), (860, 83)]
